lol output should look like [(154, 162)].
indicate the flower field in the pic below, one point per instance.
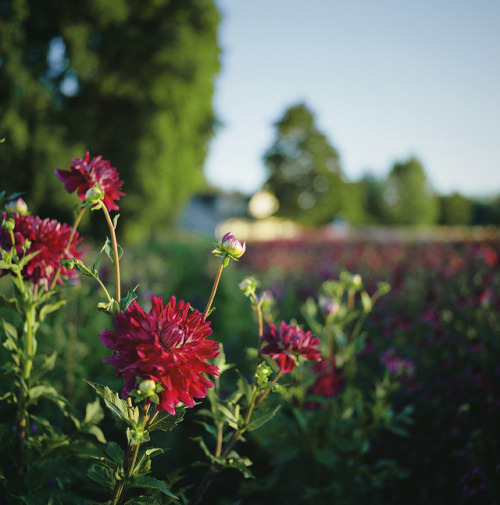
[(438, 333), (354, 371)]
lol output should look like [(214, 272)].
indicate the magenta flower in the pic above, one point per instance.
[(287, 343), (84, 174), (47, 236), (169, 346), (231, 246), (328, 378)]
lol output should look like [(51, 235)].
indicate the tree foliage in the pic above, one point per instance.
[(132, 81), (304, 170), (408, 196), (455, 210)]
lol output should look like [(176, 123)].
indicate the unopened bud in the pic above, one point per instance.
[(18, 205), (9, 225), (230, 245), (94, 195), (247, 286), (147, 387)]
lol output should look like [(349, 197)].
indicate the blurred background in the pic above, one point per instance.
[(269, 117)]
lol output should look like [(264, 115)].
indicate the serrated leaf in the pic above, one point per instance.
[(115, 404), (152, 483), (128, 299), (83, 269), (167, 422), (110, 308), (101, 475), (257, 423), (115, 452)]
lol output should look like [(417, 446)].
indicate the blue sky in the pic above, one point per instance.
[(386, 79)]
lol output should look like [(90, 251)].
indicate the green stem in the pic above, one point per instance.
[(214, 287), (68, 244), (115, 252)]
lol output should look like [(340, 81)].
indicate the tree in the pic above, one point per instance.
[(455, 210), (132, 81), (304, 170), (408, 196)]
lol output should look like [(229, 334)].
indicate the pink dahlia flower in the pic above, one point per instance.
[(287, 343), (47, 236), (84, 174), (169, 346)]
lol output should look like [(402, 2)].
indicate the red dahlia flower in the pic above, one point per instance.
[(84, 174), (47, 236), (328, 381), (169, 345), (289, 342)]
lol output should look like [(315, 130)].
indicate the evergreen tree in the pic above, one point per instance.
[(408, 196), (305, 174), (132, 81)]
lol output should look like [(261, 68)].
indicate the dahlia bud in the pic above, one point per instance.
[(18, 205), (247, 286), (8, 225), (147, 388), (231, 246), (94, 196)]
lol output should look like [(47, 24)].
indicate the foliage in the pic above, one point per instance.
[(304, 170), (129, 80), (455, 210), (408, 197)]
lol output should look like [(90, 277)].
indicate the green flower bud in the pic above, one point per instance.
[(18, 205), (9, 225), (247, 286), (94, 196), (147, 388)]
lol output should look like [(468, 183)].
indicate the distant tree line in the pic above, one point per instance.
[(306, 178)]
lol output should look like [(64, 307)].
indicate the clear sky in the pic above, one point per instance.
[(386, 79)]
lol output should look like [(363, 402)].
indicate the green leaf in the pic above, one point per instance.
[(143, 467), (115, 404), (152, 483), (257, 423), (142, 500), (110, 308), (116, 453), (101, 475), (10, 303), (47, 365), (167, 422), (48, 308), (128, 299), (108, 249)]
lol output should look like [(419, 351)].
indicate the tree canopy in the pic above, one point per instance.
[(304, 170), (408, 197), (132, 81)]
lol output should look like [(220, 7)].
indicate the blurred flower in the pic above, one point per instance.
[(169, 345), (397, 365), (50, 237), (18, 205), (490, 257), (84, 174), (231, 246), (289, 342), (328, 378), (474, 481)]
